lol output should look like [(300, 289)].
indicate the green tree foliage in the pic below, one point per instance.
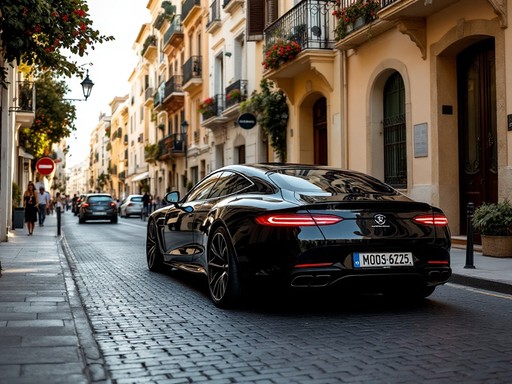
[(38, 32), (271, 110), (54, 119)]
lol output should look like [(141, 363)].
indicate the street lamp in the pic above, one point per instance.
[(184, 126), (87, 85)]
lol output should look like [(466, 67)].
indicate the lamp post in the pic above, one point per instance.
[(184, 126), (87, 85)]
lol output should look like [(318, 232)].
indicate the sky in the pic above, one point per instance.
[(112, 64)]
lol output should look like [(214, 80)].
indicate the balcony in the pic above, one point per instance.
[(173, 37), (230, 5), (214, 22), (24, 101), (211, 111), (148, 96), (192, 74), (173, 145), (235, 94), (189, 9), (396, 9), (310, 26), (121, 175), (174, 98), (149, 50)]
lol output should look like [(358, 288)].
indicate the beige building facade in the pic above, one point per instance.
[(418, 96)]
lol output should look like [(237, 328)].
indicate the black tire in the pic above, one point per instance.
[(114, 220), (154, 257), (223, 273)]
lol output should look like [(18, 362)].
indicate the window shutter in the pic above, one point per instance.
[(270, 12), (255, 19)]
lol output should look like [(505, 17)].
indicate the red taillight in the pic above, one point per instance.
[(436, 219), (313, 265), (296, 220), (438, 262), (112, 204), (85, 205)]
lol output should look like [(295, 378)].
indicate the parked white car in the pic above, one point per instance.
[(132, 205)]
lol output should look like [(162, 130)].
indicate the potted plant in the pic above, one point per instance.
[(235, 95), (280, 52), (494, 223), (207, 108), (354, 16)]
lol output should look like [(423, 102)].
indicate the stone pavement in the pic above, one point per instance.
[(45, 336)]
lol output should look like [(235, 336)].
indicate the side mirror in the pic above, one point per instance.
[(174, 198)]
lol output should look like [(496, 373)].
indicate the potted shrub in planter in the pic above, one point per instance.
[(494, 222)]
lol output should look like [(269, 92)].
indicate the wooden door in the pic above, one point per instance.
[(478, 153)]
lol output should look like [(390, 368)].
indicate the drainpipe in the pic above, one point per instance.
[(344, 80)]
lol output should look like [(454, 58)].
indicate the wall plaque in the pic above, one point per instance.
[(421, 140)]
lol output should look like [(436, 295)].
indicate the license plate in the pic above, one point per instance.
[(382, 260), (99, 213)]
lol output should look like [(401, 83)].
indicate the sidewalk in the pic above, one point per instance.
[(41, 317), (45, 335)]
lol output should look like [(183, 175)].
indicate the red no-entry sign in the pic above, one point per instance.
[(45, 166)]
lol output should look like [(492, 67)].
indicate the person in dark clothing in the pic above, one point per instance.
[(30, 202), (146, 201)]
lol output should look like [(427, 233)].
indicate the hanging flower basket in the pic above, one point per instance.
[(280, 52), (354, 16), (208, 108)]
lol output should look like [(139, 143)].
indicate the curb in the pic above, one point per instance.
[(475, 282)]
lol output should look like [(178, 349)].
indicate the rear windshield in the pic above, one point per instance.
[(330, 182), (98, 199), (137, 199)]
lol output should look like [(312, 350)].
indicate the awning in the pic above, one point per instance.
[(142, 176), (22, 153)]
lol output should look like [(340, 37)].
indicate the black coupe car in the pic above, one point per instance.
[(304, 226)]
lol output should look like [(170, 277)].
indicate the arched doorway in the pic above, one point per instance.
[(320, 131), (478, 153), (394, 128)]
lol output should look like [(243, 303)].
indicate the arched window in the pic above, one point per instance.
[(395, 141)]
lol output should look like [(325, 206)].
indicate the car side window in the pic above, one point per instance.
[(228, 184), (202, 190)]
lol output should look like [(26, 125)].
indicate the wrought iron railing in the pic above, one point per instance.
[(215, 108), (236, 92), (175, 143), (214, 13), (174, 84), (187, 6), (24, 97), (149, 93), (175, 27), (310, 23), (192, 68), (159, 95)]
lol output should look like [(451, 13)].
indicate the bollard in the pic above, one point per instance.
[(469, 243), (58, 220)]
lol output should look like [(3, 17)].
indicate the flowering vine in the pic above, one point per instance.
[(37, 32)]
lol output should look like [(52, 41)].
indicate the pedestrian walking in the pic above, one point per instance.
[(146, 201), (44, 201), (59, 206), (30, 203)]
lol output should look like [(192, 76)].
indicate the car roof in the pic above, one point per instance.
[(266, 168)]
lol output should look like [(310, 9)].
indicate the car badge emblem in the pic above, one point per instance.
[(380, 219)]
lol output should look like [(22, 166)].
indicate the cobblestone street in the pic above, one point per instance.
[(164, 328)]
